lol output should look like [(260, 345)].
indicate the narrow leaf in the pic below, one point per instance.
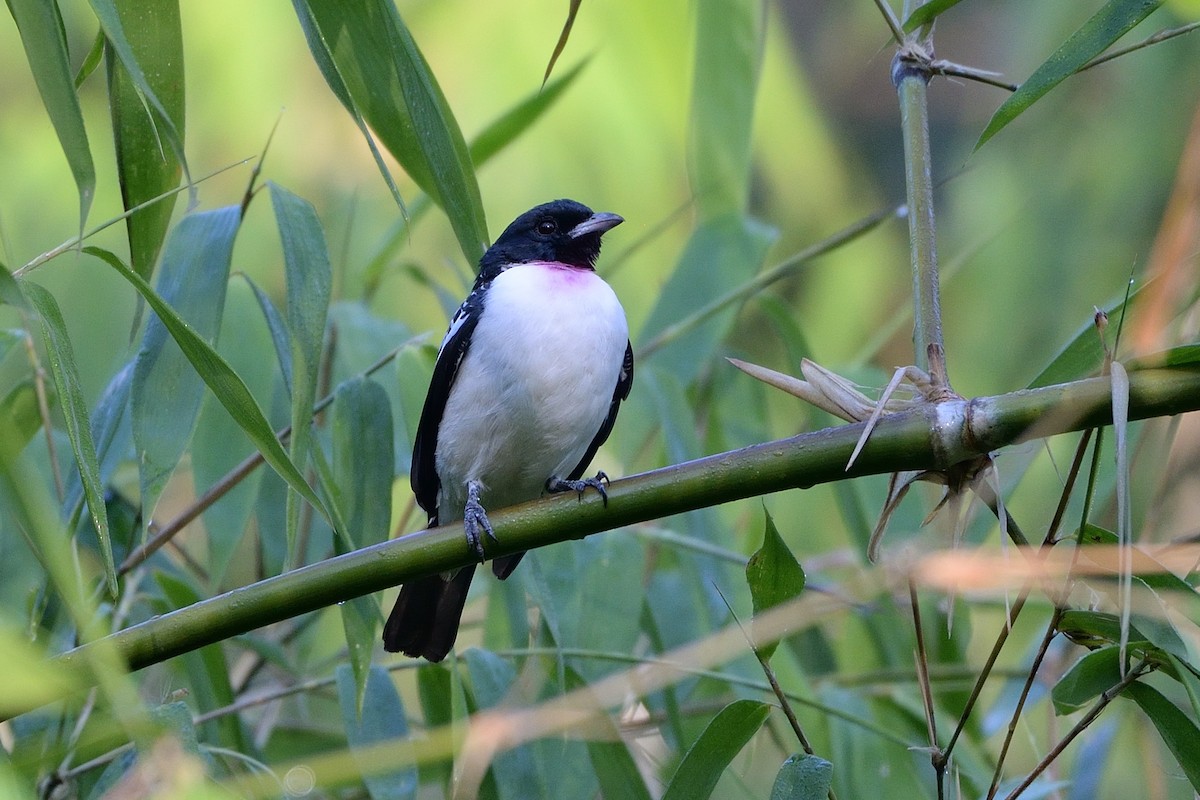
[(1088, 678), (927, 13), (309, 283), (167, 392), (226, 386), (803, 777), (114, 33), (1177, 730), (1120, 412), (382, 720), (1110, 23), (1083, 356), (390, 84), (329, 70), (774, 576), (363, 469), (729, 48), (147, 166), (572, 10), (722, 254), (510, 125), (42, 35), (65, 372), (722, 739)]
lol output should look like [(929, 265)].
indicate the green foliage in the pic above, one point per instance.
[(299, 332)]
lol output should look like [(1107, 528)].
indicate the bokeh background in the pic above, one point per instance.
[(1045, 222)]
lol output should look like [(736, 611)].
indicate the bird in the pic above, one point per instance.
[(525, 389)]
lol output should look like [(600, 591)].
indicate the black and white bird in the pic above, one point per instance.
[(525, 389)]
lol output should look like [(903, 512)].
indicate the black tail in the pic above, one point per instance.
[(424, 621)]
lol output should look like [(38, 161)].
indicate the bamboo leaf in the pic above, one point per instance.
[(722, 254), (572, 10), (729, 48), (803, 777), (65, 372), (363, 469), (219, 444), (387, 81), (508, 126), (1110, 23), (147, 167), (225, 385), (41, 29), (1083, 356), (309, 284), (382, 720), (1178, 731), (114, 33), (774, 576), (722, 739), (1087, 679), (167, 391), (927, 13)]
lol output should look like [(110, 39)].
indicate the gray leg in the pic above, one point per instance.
[(475, 518), (556, 485)]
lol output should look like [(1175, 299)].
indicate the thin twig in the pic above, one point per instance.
[(892, 21), (231, 479), (943, 67), (922, 658), (1161, 36), (1039, 657), (1105, 698)]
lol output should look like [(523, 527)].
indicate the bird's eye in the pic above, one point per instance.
[(546, 227)]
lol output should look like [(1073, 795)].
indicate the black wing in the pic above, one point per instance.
[(423, 475), (624, 384)]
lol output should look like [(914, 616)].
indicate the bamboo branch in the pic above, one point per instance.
[(933, 436)]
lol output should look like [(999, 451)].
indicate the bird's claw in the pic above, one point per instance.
[(599, 483), (474, 519)]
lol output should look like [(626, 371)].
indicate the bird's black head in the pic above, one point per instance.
[(562, 231)]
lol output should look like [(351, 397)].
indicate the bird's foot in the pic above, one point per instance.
[(599, 483), (475, 520)]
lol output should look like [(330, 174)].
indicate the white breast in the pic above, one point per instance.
[(534, 387)]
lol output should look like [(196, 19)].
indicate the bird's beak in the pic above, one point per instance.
[(596, 223)]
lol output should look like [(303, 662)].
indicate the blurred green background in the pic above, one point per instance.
[(1042, 224)]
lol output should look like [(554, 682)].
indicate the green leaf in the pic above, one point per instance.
[(589, 593), (774, 576), (1083, 356), (723, 253), (65, 372), (388, 82), (28, 677), (616, 771), (167, 391), (329, 71), (803, 777), (225, 385), (309, 284), (1087, 679), (43, 37), (572, 11), (219, 445), (1097, 628), (927, 13), (1187, 355), (145, 167), (730, 35), (722, 739), (208, 673), (1178, 731), (1110, 23), (363, 469), (508, 126), (382, 720), (120, 45), (19, 410)]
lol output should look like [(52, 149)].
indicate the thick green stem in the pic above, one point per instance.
[(931, 437)]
